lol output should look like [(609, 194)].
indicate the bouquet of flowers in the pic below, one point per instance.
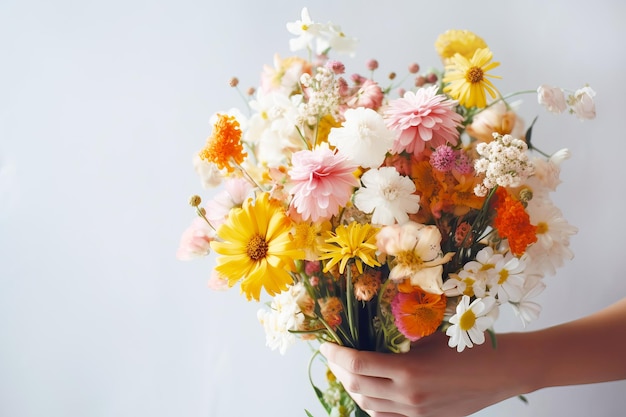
[(375, 214)]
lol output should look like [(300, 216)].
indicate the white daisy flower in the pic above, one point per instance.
[(482, 268), (509, 272), (469, 323), (388, 195), (464, 283), (306, 31), (553, 234), (363, 136), (526, 309)]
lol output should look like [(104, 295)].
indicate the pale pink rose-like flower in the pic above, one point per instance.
[(422, 117), (217, 282), (322, 180), (552, 98), (369, 95), (582, 103), (235, 192), (195, 240)]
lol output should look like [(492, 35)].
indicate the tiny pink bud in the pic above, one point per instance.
[(336, 67), (372, 64), (431, 78), (414, 68)]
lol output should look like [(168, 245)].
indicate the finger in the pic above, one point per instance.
[(376, 407), (360, 384), (356, 361)]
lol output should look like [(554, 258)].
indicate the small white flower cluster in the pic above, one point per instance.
[(504, 162), (322, 93), (284, 315)]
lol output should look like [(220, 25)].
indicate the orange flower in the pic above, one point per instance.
[(418, 313), (331, 308), (441, 192), (224, 145), (513, 223)]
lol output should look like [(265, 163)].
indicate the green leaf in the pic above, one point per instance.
[(529, 133), (307, 413), (320, 397), (492, 336)]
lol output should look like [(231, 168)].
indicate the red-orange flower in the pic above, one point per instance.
[(418, 313), (224, 145), (513, 222)]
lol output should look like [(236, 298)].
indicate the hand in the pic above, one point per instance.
[(430, 380)]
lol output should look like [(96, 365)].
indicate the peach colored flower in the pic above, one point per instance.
[(496, 118)]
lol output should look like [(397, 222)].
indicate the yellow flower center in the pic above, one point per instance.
[(487, 267), (409, 258), (474, 75), (469, 287), (468, 319), (257, 248), (542, 228), (504, 275)]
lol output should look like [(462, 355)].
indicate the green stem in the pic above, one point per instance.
[(350, 302), (249, 177)]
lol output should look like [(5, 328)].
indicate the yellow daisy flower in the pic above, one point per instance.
[(256, 247), (456, 41), (308, 237), (354, 241), (466, 80)]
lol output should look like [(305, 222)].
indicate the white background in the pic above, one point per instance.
[(102, 105)]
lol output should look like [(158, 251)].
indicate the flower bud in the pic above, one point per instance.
[(195, 200), (372, 65), (233, 82), (414, 68)]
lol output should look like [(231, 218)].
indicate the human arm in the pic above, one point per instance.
[(435, 380)]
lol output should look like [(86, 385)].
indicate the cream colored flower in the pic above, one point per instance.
[(417, 254)]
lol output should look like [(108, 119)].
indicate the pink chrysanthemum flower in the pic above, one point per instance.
[(423, 117), (323, 181)]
